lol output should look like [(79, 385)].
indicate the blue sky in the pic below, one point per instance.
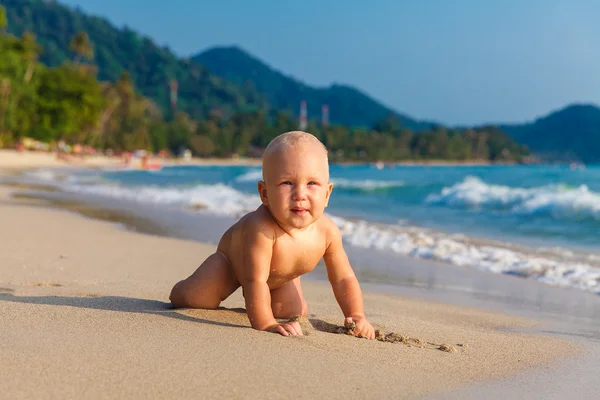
[(452, 61)]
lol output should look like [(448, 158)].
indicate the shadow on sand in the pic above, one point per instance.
[(121, 304), (155, 307)]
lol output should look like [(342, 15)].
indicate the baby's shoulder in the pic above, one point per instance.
[(328, 227), (257, 221)]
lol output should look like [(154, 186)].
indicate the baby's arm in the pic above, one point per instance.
[(344, 283), (258, 250)]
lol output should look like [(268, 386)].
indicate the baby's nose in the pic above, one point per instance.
[(300, 192)]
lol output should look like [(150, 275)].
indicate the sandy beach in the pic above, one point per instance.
[(11, 160), (85, 313)]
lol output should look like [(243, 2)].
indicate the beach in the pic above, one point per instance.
[(11, 160), (85, 313)]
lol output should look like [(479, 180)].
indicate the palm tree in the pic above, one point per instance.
[(82, 47), (31, 51), (113, 101)]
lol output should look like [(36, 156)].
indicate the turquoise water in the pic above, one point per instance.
[(527, 203), (540, 222)]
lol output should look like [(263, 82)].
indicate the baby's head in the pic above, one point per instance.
[(295, 183), (294, 143)]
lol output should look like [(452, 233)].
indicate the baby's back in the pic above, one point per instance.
[(291, 257)]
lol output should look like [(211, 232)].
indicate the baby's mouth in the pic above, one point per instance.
[(299, 210)]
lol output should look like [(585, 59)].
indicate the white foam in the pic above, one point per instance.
[(553, 266), (219, 198), (44, 175), (367, 184), (253, 175), (555, 201), (437, 246)]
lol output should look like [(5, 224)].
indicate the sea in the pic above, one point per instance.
[(536, 222)]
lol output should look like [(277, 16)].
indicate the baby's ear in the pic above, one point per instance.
[(262, 191), (329, 190)]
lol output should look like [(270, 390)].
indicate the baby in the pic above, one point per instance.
[(268, 249)]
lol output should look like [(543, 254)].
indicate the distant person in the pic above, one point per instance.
[(268, 249)]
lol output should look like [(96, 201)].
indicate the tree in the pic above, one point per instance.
[(31, 50), (67, 102), (179, 132), (70, 103), (82, 47), (202, 145), (389, 124), (4, 93), (3, 21), (159, 136)]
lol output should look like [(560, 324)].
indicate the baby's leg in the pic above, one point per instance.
[(210, 284), (287, 300)]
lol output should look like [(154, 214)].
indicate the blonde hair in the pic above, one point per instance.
[(290, 140)]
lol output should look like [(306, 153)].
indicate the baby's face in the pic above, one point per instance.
[(296, 187)]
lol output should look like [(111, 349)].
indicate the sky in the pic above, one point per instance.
[(457, 62)]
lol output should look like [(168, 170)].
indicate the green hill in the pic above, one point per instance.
[(229, 80), (347, 105), (569, 134), (151, 67)]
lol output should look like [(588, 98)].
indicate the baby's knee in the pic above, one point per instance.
[(185, 296), (177, 296)]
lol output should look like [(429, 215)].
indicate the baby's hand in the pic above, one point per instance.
[(362, 327), (286, 329)]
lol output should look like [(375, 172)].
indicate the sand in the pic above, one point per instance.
[(84, 312), (11, 160)]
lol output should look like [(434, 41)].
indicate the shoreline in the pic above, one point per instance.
[(562, 254), (50, 289), (12, 159)]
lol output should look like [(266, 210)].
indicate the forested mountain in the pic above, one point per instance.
[(151, 67), (347, 105), (77, 97), (229, 82), (569, 134)]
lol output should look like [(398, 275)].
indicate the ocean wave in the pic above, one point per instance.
[(60, 179), (45, 175), (365, 185), (551, 266), (461, 252), (219, 198), (254, 175), (556, 201)]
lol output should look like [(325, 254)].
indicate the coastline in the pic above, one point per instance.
[(11, 160), (245, 161), (93, 275)]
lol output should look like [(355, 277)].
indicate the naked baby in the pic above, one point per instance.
[(268, 249)]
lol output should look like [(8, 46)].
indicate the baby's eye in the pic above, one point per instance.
[(312, 183), (286, 183)]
